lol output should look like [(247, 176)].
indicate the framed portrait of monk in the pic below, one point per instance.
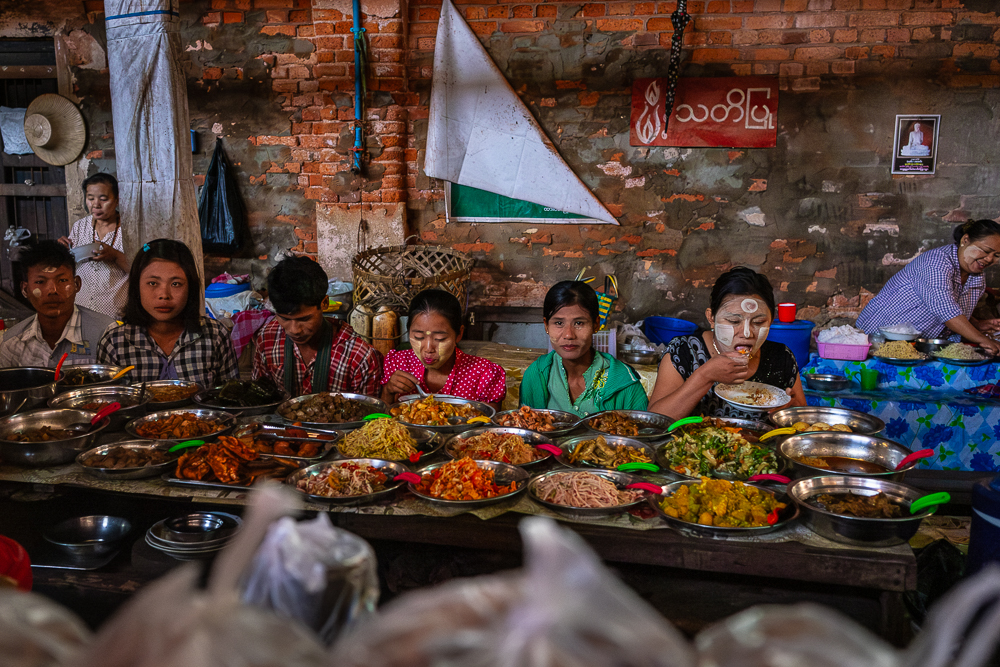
[(915, 144)]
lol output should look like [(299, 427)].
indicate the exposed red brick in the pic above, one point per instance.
[(791, 69), (617, 25), (659, 23), (883, 51), (720, 38), (235, 17), (483, 27), (845, 36), (714, 55), (872, 36), (966, 50), (770, 54), (767, 21), (817, 67), (212, 18), (817, 52), (926, 18), (898, 35), (279, 30), (742, 6), (870, 5), (742, 69), (842, 67), (546, 11), (820, 20), (767, 6), (715, 22), (871, 19), (819, 36)]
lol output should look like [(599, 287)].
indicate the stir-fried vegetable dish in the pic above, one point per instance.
[(504, 447), (431, 412), (341, 480), (717, 502), (616, 423), (462, 479), (715, 449), (599, 453)]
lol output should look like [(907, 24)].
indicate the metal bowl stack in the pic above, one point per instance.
[(25, 388), (856, 530), (133, 404), (51, 452), (88, 536), (194, 535)]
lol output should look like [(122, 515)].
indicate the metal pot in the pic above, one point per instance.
[(848, 445), (931, 345), (89, 535), (111, 393), (858, 421), (25, 388), (52, 452), (856, 530), (826, 382)]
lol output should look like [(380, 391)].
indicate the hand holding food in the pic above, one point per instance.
[(402, 382), (727, 370)]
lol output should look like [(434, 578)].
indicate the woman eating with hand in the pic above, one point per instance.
[(575, 377), (938, 291), (734, 350), (435, 364), (164, 335)]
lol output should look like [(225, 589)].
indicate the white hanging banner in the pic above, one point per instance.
[(152, 129), (480, 134)]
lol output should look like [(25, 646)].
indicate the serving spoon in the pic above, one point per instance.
[(83, 428)]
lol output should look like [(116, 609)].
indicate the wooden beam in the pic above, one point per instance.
[(22, 190), (28, 72)]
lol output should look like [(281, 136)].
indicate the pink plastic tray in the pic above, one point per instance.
[(843, 352)]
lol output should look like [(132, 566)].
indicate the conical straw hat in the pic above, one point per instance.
[(54, 129)]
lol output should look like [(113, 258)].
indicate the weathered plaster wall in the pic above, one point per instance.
[(820, 213)]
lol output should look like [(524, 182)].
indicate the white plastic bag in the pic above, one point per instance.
[(171, 623), (319, 575), (564, 610), (37, 632)]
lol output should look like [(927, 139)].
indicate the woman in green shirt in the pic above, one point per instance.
[(575, 377)]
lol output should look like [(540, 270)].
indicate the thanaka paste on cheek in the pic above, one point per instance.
[(724, 334), (37, 293), (761, 337), (969, 254)]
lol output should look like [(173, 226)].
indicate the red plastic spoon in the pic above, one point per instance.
[(411, 477), (551, 449), (59, 365), (915, 456), (84, 427), (770, 477)]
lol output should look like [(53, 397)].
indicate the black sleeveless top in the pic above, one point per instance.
[(777, 367)]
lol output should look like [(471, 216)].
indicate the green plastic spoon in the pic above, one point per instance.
[(184, 445), (930, 500), (695, 419), (376, 415), (638, 465)]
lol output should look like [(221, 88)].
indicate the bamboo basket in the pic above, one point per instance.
[(392, 276)]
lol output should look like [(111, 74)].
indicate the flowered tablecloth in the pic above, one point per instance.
[(929, 375)]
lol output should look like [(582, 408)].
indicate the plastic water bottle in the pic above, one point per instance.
[(984, 537)]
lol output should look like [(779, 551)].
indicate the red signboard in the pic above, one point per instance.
[(734, 112)]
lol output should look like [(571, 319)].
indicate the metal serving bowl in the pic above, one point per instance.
[(529, 437), (646, 358), (374, 404), (208, 398), (785, 516), (484, 409), (568, 444), (25, 388), (132, 407), (128, 473), (503, 474), (194, 527), (565, 422), (104, 371), (931, 345), (52, 452), (427, 442), (750, 429), (89, 535), (653, 426), (619, 479), (826, 382), (226, 423), (389, 468), (855, 530), (858, 421), (193, 387), (848, 445)]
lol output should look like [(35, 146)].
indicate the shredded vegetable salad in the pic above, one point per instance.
[(504, 447), (716, 449), (341, 480), (583, 489), (379, 439), (462, 479)]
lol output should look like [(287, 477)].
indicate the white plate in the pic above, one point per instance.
[(84, 253), (739, 395), (899, 336)]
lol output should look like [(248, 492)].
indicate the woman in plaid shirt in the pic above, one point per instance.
[(164, 335)]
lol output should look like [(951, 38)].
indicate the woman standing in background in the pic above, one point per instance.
[(103, 274)]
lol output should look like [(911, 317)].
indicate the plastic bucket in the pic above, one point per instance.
[(796, 336), (664, 329), (984, 534)]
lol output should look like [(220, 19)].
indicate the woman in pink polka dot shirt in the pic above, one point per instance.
[(435, 363)]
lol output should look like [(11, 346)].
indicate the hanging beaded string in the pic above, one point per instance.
[(680, 18)]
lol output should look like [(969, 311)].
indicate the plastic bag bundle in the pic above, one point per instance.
[(171, 623), (317, 574), (223, 221), (565, 610), (36, 632)]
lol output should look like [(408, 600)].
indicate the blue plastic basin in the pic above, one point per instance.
[(664, 329), (796, 336)]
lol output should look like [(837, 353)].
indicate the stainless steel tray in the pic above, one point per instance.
[(128, 473), (503, 474), (529, 437), (327, 445), (849, 445), (619, 479), (785, 516), (427, 443), (567, 445), (750, 430), (568, 421), (374, 404), (858, 421), (654, 425), (391, 469), (226, 420), (206, 399), (170, 405), (484, 409)]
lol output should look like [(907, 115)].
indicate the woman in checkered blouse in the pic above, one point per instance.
[(938, 291), (164, 335)]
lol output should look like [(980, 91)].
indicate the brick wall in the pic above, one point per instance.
[(275, 79)]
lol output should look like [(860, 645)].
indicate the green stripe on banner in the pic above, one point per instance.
[(469, 202)]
